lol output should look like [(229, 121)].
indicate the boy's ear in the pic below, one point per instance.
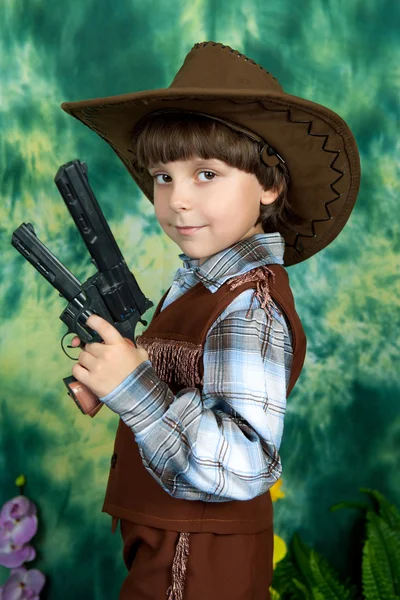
[(269, 196)]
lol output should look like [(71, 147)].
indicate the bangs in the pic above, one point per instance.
[(168, 138)]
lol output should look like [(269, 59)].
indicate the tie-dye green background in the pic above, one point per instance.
[(342, 429)]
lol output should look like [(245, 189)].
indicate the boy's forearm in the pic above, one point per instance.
[(140, 399), (159, 419)]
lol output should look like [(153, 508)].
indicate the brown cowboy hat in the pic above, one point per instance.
[(315, 143)]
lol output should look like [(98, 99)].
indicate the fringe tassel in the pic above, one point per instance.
[(174, 360), (261, 275), (179, 566), (178, 361)]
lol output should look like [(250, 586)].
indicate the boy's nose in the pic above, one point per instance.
[(179, 199)]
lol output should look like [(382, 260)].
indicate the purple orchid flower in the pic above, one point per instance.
[(18, 524), (23, 585)]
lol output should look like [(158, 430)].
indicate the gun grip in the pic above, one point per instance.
[(87, 402)]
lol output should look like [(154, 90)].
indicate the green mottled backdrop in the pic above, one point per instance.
[(342, 429)]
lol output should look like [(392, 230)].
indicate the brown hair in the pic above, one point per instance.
[(169, 137)]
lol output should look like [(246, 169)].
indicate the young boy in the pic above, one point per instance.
[(246, 179)]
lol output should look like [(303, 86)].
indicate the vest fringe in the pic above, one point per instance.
[(178, 361), (261, 275), (173, 360), (179, 566)]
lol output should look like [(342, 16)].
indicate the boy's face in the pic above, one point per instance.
[(207, 193)]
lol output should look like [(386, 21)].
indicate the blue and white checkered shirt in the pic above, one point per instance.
[(239, 413)]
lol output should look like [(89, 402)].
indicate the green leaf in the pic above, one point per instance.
[(381, 560), (359, 505), (301, 556), (370, 585), (303, 589), (326, 581), (318, 577), (316, 595), (274, 594), (285, 573), (387, 511)]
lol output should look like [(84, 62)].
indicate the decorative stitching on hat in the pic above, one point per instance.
[(298, 245), (239, 55)]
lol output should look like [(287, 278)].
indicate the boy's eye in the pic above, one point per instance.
[(209, 175), (162, 180)]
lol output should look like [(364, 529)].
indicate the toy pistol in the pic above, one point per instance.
[(112, 293)]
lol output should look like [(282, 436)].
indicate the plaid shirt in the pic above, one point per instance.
[(232, 430)]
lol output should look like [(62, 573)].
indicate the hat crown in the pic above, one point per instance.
[(211, 65)]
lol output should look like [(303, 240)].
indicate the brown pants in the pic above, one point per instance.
[(218, 567)]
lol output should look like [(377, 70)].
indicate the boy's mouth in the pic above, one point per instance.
[(187, 230)]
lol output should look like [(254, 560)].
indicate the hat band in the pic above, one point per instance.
[(268, 155)]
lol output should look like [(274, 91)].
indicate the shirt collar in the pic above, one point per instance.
[(259, 249)]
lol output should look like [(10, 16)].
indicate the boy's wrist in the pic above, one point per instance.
[(131, 379)]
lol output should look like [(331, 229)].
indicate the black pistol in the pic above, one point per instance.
[(112, 292)]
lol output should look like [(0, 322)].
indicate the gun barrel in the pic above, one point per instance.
[(25, 240), (117, 285), (72, 182)]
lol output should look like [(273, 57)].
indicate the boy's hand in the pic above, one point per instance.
[(102, 367)]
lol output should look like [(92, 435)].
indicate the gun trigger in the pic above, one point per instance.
[(62, 347)]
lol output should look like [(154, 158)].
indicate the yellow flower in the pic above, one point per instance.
[(276, 491), (280, 550), (20, 481)]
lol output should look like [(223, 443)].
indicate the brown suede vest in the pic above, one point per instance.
[(175, 340)]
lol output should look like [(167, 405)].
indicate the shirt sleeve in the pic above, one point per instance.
[(220, 444)]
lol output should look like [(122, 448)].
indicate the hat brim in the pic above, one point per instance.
[(316, 143)]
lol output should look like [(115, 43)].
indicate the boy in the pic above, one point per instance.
[(262, 179)]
